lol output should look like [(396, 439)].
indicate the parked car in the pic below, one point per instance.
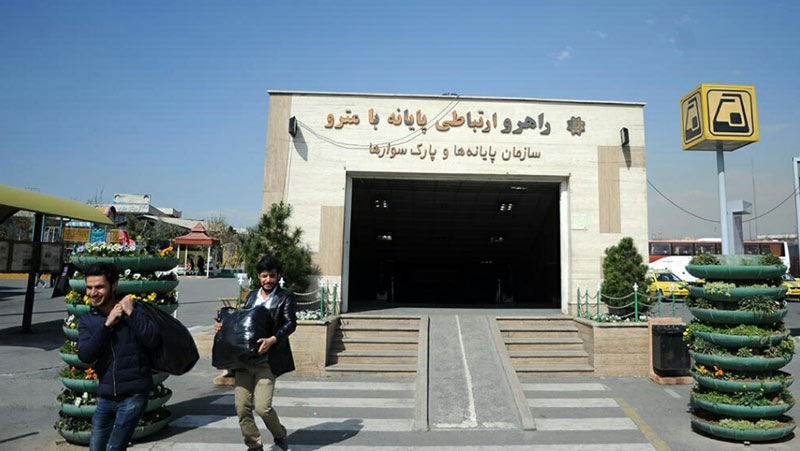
[(666, 283), (792, 287)]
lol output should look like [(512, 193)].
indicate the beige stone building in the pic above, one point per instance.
[(431, 200)]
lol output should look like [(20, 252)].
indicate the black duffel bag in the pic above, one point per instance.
[(236, 344), (177, 353)]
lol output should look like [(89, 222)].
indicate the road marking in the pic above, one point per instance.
[(472, 420), (373, 403), (175, 446), (564, 387), (651, 436), (304, 423), (573, 402), (672, 393), (585, 424), (342, 385)]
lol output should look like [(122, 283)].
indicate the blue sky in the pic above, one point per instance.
[(169, 98)]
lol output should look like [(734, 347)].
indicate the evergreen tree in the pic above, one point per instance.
[(274, 237), (622, 267)]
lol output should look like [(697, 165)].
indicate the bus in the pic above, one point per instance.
[(674, 255)]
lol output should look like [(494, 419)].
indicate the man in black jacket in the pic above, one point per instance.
[(116, 337), (256, 384)]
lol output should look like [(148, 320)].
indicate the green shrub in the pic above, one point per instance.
[(274, 237), (622, 267), (770, 260), (704, 259)]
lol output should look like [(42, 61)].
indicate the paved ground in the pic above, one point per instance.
[(570, 414)]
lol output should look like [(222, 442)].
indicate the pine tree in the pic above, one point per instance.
[(274, 237), (622, 267)]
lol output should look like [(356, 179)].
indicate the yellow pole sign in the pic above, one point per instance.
[(719, 117)]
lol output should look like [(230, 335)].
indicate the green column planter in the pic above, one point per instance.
[(78, 309), (740, 367), (733, 386), (73, 360), (135, 264), (71, 334), (742, 341), (731, 410), (752, 435), (131, 286), (741, 363)]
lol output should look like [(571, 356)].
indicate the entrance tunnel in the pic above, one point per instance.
[(454, 243)]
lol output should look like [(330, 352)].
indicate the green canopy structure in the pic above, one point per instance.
[(14, 199)]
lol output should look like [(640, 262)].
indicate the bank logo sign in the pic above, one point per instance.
[(719, 117)]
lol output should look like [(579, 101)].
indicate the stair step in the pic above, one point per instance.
[(542, 340), (539, 328), (548, 353), (383, 317), (397, 340), (562, 368), (398, 327), (377, 353), (354, 369)]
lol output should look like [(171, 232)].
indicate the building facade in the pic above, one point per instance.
[(430, 200)]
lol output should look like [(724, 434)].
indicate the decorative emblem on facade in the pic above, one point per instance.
[(576, 126)]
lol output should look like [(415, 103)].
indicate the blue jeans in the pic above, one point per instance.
[(114, 420)]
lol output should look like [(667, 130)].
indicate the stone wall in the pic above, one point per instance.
[(616, 349)]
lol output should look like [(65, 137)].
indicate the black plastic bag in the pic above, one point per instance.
[(236, 344), (177, 353)]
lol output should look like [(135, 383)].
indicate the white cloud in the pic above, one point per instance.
[(600, 34), (564, 54), (684, 19)]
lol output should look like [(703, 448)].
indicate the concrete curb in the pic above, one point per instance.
[(421, 385), (525, 415)]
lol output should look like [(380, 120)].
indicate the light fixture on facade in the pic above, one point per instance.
[(624, 137), (497, 239), (384, 237), (506, 207), (519, 188), (382, 204)]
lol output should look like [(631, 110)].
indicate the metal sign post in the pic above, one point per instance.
[(720, 118), (723, 204), (795, 162)]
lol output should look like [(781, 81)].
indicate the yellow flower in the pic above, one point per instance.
[(86, 299), (152, 296)]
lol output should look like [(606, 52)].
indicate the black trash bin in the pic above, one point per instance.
[(670, 354)]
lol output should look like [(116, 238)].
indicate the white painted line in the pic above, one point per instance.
[(304, 423), (183, 446), (573, 402), (341, 385), (564, 387), (472, 418), (498, 425), (585, 424), (374, 403), (672, 393)]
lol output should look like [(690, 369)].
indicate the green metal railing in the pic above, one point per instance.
[(584, 308)]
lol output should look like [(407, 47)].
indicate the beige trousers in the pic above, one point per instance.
[(254, 388)]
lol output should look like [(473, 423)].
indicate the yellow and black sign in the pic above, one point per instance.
[(719, 117)]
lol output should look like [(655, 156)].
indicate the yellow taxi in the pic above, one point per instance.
[(792, 287), (666, 283)]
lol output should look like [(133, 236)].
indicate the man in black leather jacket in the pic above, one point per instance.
[(117, 337), (255, 385)]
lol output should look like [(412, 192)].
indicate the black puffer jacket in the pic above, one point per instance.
[(120, 353)]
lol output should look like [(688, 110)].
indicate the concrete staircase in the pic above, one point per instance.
[(544, 346), (373, 345)]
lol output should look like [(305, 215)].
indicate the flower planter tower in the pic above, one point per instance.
[(139, 277), (739, 344)]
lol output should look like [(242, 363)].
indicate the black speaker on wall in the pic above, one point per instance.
[(293, 126)]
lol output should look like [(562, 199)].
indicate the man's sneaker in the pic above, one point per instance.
[(282, 443)]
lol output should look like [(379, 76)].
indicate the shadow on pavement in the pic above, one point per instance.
[(46, 336), (325, 433)]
